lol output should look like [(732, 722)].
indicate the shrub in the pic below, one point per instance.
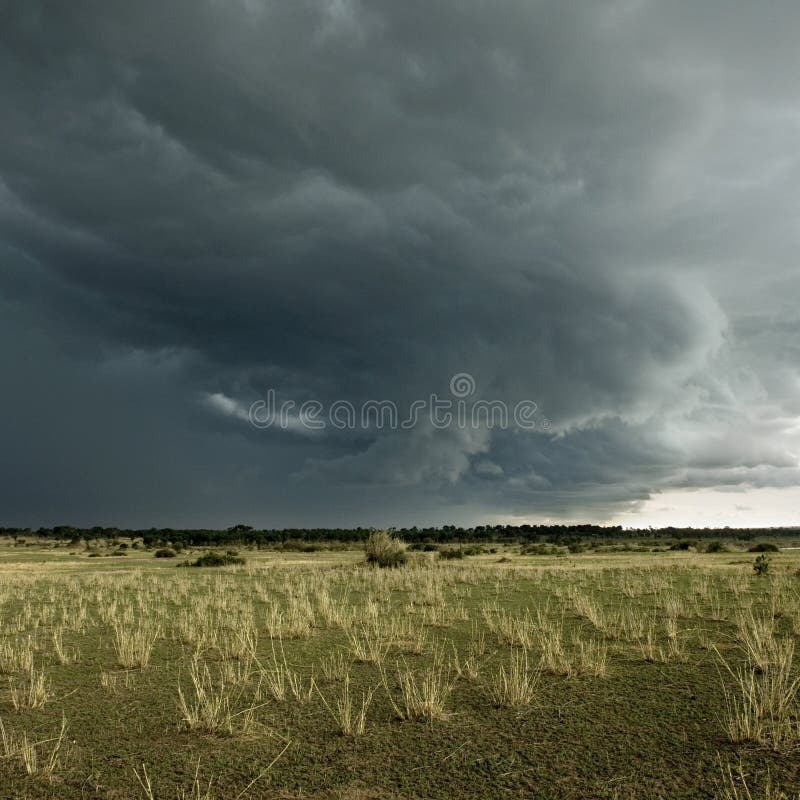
[(763, 547), (761, 565), (384, 550), (165, 552), (216, 560), (545, 549)]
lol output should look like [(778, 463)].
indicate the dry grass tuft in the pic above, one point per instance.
[(134, 645), (350, 716), (514, 685)]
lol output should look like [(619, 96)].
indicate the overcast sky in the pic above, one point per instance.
[(592, 206)]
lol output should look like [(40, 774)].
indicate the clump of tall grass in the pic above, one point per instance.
[(196, 626), (207, 704), (652, 650), (134, 645), (516, 631), (627, 624), (672, 603), (367, 645), (554, 656), (407, 636), (514, 684), (236, 672), (64, 655), (591, 658), (296, 622), (477, 642), (16, 656), (239, 643), (590, 610), (756, 636), (350, 715), (424, 692), (762, 706), (468, 667), (33, 691), (383, 550), (335, 666)]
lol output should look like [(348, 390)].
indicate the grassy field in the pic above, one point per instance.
[(630, 675)]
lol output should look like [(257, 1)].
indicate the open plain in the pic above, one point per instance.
[(313, 675)]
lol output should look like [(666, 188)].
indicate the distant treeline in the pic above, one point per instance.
[(446, 534)]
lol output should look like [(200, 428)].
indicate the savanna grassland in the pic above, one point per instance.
[(630, 675)]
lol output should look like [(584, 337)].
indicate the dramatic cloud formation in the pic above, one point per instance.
[(592, 206)]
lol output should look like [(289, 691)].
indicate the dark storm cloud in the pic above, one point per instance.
[(587, 205)]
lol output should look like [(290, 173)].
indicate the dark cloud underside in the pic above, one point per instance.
[(591, 205)]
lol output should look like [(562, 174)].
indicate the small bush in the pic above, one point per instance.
[(545, 549), (761, 565), (216, 560), (384, 550), (165, 552), (763, 547)]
